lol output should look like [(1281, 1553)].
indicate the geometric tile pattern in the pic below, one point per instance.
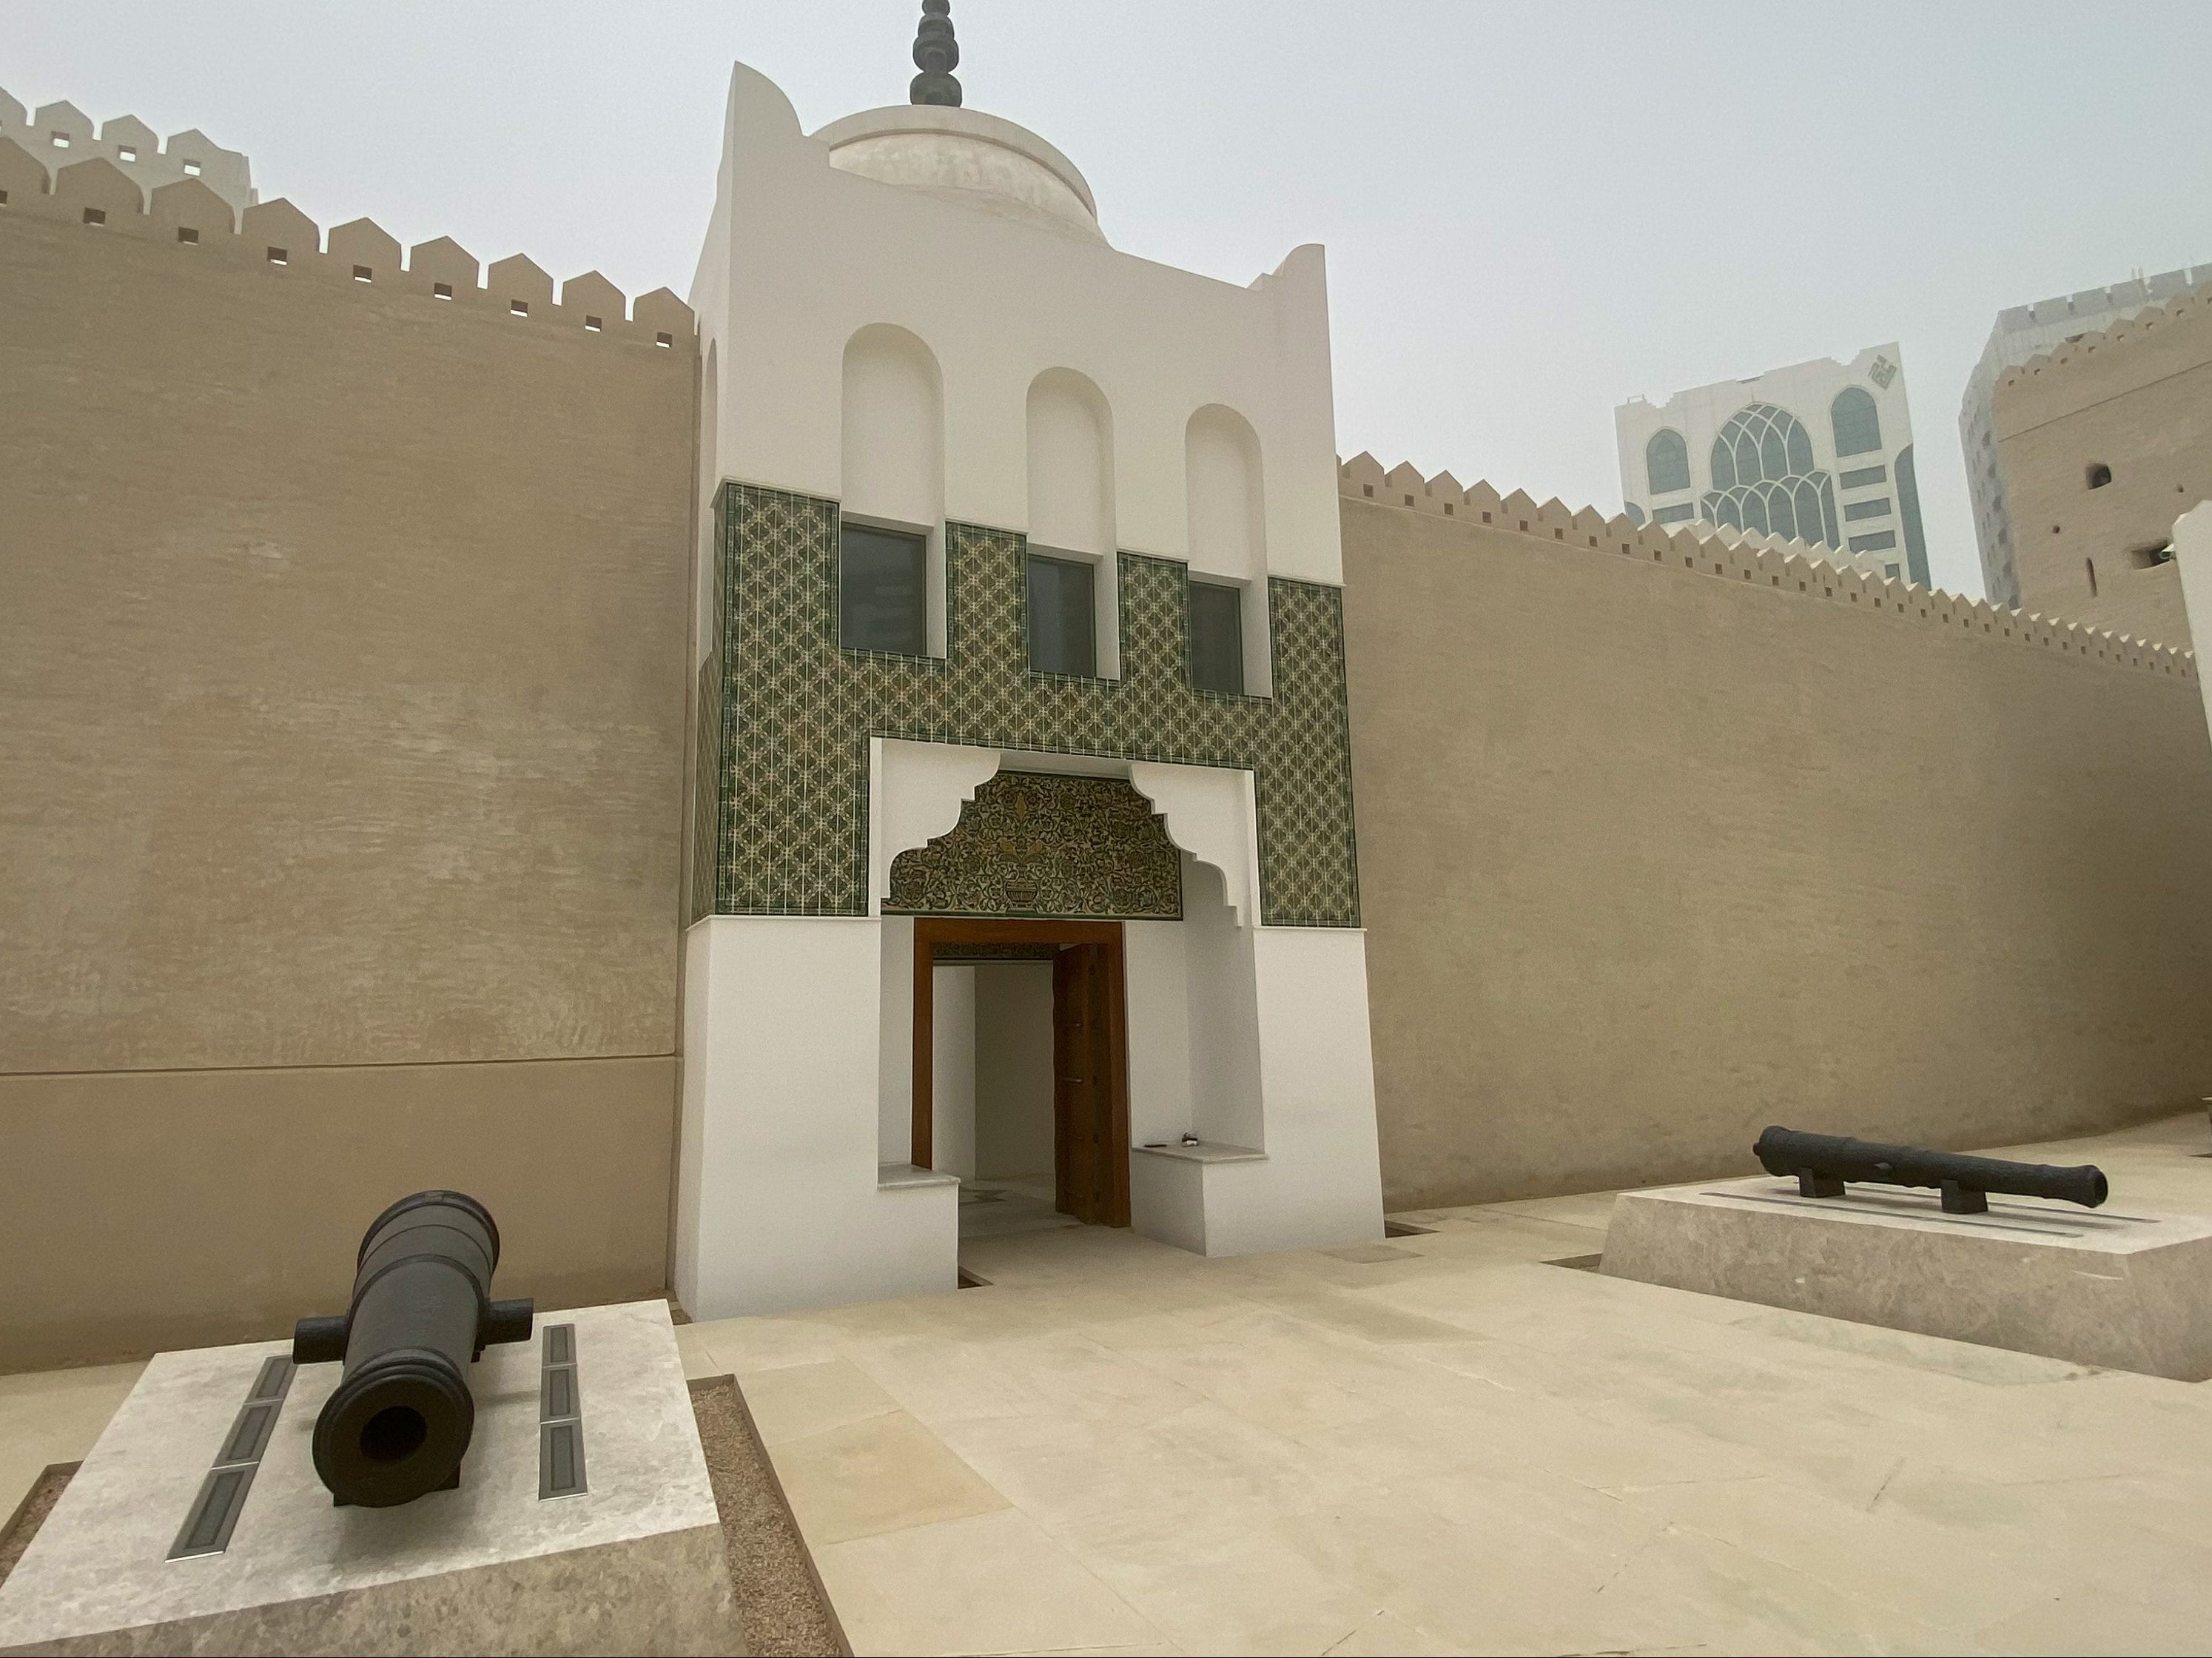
[(797, 711), (1044, 844)]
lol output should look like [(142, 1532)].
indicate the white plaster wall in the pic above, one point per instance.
[(1157, 992), (1224, 1034), (952, 1097), (1167, 1201), (801, 256), (895, 1046), (1012, 1025), (1321, 1183), (2192, 551), (777, 1201)]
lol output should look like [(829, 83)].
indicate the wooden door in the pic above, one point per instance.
[(1090, 1154)]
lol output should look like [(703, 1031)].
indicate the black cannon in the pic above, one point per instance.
[(400, 1418), (1822, 1163)]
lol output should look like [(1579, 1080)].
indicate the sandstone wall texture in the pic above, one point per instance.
[(2102, 444), (343, 628), (1662, 840)]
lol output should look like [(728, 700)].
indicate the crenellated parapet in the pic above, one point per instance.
[(101, 198), (2105, 362), (59, 135), (1714, 551)]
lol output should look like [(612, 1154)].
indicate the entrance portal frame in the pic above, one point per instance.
[(930, 931)]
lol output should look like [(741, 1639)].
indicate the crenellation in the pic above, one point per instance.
[(593, 301), (57, 136), (189, 205), (450, 268), (664, 318), (277, 237), (1728, 554), (22, 179), (98, 192), (280, 233), (62, 126), (365, 252), (2189, 307), (517, 286)]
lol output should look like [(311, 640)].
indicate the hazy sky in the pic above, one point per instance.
[(1532, 211)]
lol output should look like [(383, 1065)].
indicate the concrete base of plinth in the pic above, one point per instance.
[(2127, 1291), (632, 1563)]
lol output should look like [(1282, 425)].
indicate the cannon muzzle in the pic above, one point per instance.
[(400, 1419)]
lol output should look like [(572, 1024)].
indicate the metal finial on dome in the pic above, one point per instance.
[(936, 54)]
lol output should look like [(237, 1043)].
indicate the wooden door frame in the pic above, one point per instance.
[(929, 931)]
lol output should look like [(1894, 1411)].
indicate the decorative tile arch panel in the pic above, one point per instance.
[(1046, 844), (794, 713)]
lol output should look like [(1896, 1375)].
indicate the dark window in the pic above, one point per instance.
[(1673, 514), (2099, 475), (882, 591), (1217, 638), (1862, 475), (1063, 633), (1764, 477), (1858, 426), (2090, 565), (1666, 462), (1881, 543), (1877, 508), (1908, 509)]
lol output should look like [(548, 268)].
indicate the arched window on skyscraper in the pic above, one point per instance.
[(1763, 478), (1666, 462), (1858, 426)]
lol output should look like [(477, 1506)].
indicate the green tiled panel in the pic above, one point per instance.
[(797, 712)]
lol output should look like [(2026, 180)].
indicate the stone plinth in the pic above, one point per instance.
[(633, 1564), (2132, 1292)]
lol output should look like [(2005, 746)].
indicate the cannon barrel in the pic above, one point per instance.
[(400, 1421), (1822, 1163)]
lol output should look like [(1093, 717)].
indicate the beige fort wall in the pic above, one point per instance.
[(1664, 838), (341, 710), (2135, 398)]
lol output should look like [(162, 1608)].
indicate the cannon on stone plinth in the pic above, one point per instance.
[(400, 1418), (1823, 1162)]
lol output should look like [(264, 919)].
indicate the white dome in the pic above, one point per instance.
[(965, 156)]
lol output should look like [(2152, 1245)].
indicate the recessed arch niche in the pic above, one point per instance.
[(1224, 498), (1071, 490), (891, 453)]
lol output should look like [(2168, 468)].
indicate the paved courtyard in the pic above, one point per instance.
[(1443, 1444)]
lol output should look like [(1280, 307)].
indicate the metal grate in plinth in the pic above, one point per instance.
[(559, 1416), (214, 1512)]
